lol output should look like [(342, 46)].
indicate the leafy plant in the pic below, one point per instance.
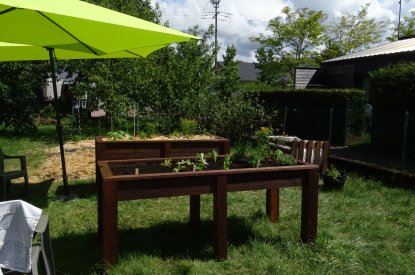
[(262, 151), (255, 161), (166, 163), (239, 152), (188, 126), (201, 162), (284, 159), (182, 165), (333, 172), (214, 155), (227, 162), (150, 129), (117, 135)]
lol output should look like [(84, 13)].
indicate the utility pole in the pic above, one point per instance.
[(215, 4), (399, 17), (215, 16)]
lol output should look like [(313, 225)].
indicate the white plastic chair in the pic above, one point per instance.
[(39, 250)]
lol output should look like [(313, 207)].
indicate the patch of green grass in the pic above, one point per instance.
[(367, 228)]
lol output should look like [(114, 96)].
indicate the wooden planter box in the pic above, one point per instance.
[(115, 188), (139, 149)]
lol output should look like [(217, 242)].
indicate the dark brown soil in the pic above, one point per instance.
[(150, 168)]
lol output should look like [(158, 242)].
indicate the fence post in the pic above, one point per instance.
[(345, 123), (285, 119), (404, 140), (330, 124)]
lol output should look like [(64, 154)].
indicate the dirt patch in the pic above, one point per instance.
[(79, 158)]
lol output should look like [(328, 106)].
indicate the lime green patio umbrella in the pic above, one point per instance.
[(22, 52), (72, 29)]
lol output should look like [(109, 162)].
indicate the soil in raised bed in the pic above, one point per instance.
[(155, 167)]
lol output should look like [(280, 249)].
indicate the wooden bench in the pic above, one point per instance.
[(305, 150)]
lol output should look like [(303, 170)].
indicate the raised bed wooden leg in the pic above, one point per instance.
[(273, 204), (195, 211), (98, 180), (109, 222), (309, 206), (220, 218)]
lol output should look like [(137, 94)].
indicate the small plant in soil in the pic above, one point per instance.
[(283, 159), (214, 155), (166, 163), (227, 162), (262, 151), (201, 162), (333, 172), (117, 135), (334, 178), (182, 165), (188, 126)]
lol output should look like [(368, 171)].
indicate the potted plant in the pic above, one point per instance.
[(334, 178)]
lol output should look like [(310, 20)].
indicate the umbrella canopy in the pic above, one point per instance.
[(22, 52), (72, 29), (79, 26)]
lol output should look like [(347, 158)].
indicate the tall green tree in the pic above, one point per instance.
[(407, 27), (353, 32), (294, 38), (227, 81), (111, 84)]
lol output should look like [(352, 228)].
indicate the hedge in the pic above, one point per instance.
[(308, 112), (392, 95)]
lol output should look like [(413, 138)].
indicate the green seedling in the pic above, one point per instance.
[(166, 163), (227, 162), (201, 162), (214, 155), (182, 165)]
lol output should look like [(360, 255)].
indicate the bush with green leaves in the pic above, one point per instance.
[(21, 99), (188, 126), (237, 117), (392, 95)]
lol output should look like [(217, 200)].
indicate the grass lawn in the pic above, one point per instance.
[(367, 228)]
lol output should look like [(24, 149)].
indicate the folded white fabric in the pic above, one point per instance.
[(18, 220)]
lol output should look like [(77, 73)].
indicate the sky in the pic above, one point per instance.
[(240, 20)]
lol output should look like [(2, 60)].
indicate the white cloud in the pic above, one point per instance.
[(250, 18)]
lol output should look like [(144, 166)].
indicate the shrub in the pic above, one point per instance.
[(392, 95), (238, 117), (188, 126)]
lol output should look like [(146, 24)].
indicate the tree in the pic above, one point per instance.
[(407, 27), (293, 40), (114, 81), (353, 32), (228, 81), (21, 99)]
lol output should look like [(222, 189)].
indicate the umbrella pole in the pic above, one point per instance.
[(59, 127)]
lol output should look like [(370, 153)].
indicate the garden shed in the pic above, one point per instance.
[(352, 70)]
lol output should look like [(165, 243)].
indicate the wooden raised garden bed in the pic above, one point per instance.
[(120, 182), (107, 149), (139, 149)]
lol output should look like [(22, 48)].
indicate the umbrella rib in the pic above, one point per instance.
[(133, 53), (74, 37), (8, 10)]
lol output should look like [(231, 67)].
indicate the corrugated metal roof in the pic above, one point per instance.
[(406, 45)]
